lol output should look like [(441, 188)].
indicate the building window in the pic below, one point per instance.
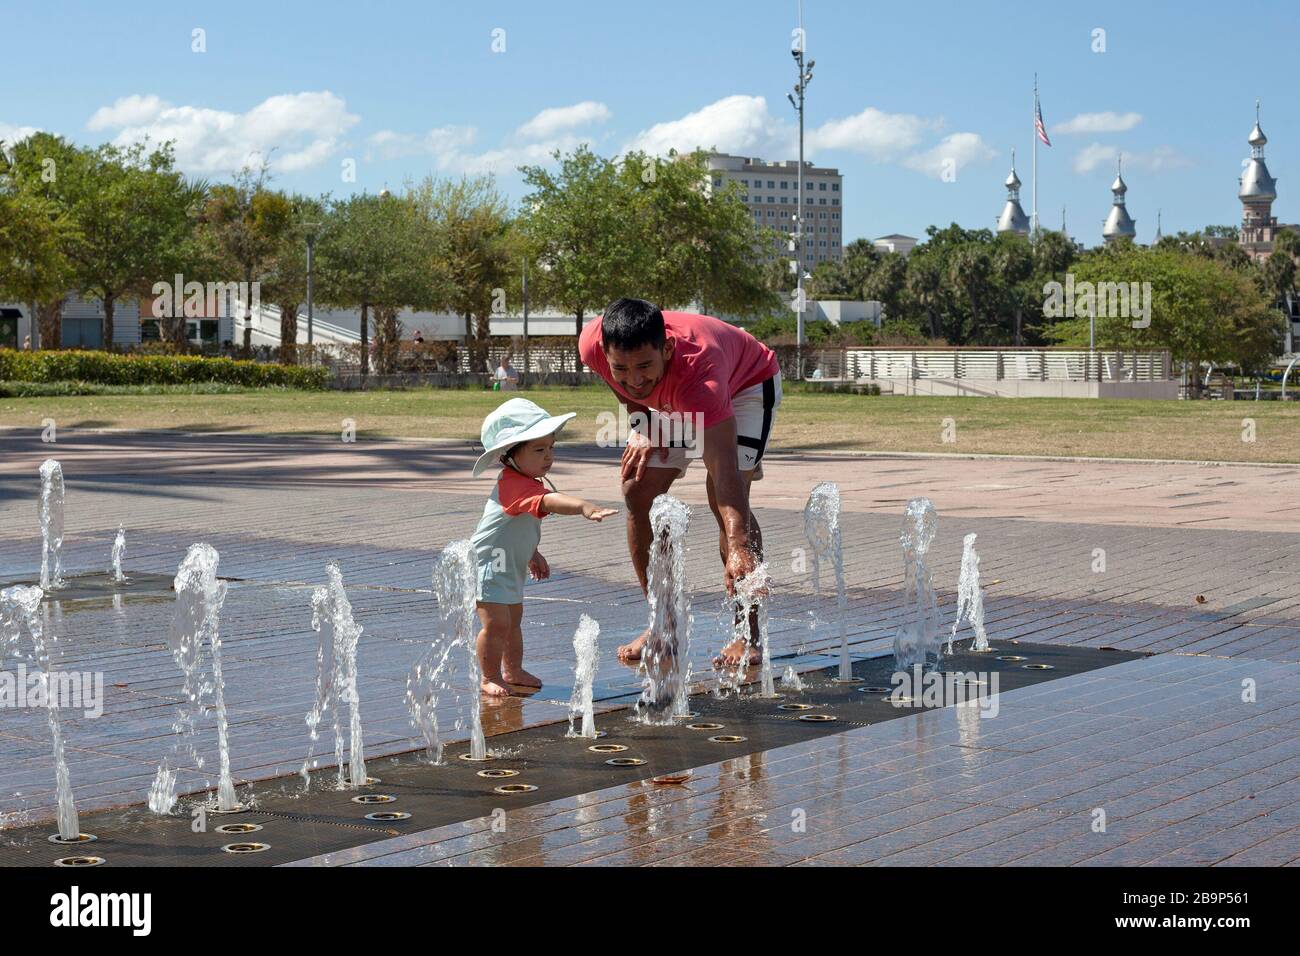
[(835, 201), (835, 187), (835, 215), (717, 183), (785, 184), (822, 200), (771, 184), (822, 187)]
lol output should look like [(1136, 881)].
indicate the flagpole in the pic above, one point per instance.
[(1033, 230)]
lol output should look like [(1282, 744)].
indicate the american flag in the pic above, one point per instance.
[(1039, 128)]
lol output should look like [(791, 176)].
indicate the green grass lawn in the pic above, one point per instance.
[(1035, 426)]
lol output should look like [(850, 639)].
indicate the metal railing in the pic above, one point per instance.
[(989, 364)]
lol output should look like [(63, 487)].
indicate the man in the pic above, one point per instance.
[(507, 376), (715, 377)]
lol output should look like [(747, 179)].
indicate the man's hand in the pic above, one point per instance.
[(740, 563), (538, 568), (636, 455)]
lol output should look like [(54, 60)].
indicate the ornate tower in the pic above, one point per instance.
[(1257, 191), (1013, 218), (1118, 223)]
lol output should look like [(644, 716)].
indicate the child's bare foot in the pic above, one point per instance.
[(630, 653), (520, 678), (494, 687), (734, 652)]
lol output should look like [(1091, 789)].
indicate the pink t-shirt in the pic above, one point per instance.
[(712, 362)]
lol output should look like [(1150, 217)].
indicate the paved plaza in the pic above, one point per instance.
[(1197, 566)]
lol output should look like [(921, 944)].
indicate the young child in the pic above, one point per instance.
[(520, 436)]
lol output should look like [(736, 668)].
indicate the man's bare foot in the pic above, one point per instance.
[(494, 687), (734, 653), (521, 678), (631, 653)]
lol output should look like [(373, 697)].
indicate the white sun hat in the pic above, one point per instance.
[(512, 422)]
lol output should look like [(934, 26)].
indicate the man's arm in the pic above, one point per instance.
[(719, 454)]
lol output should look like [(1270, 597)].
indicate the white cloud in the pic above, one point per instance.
[(950, 155), (734, 124), (303, 129), (1155, 160), (882, 136), (558, 118), (450, 147), (1093, 123), (13, 135)]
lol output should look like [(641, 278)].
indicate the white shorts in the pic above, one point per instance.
[(755, 410)]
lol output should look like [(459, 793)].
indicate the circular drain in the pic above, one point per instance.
[(726, 739), (383, 816), (1011, 657), (473, 759), (794, 706), (514, 788), (1039, 667), (846, 680), (237, 808), (79, 838), (875, 690), (498, 772), (245, 847), (672, 778), (239, 828), (689, 715), (607, 748), (374, 798), (817, 718), (705, 726), (625, 761), (368, 782), (80, 861), (901, 699)]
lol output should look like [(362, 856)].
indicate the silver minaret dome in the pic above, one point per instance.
[(1013, 218), (1119, 223), (1257, 185)]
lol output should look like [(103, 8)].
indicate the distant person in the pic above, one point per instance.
[(507, 375), (520, 436), (417, 338), (27, 344)]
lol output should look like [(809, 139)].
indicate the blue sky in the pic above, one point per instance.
[(406, 89)]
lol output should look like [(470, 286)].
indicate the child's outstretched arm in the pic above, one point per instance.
[(558, 504)]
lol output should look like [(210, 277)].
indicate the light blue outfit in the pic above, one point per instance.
[(503, 546)]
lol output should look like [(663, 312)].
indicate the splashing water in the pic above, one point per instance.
[(584, 673), (790, 679), (455, 589), (199, 597), (821, 526), (917, 639), (18, 613), (667, 655), (51, 515), (750, 606), (336, 677), (119, 551), (970, 598)]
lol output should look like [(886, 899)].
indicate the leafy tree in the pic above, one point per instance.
[(285, 281), (246, 221)]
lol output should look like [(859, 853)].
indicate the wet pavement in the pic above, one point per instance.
[(1145, 741)]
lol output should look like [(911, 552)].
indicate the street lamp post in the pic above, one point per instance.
[(311, 249), (805, 77)]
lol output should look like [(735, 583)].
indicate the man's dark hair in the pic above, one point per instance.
[(631, 323)]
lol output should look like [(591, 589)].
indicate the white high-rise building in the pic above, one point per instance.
[(771, 193)]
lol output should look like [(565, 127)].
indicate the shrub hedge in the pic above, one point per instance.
[(107, 368)]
